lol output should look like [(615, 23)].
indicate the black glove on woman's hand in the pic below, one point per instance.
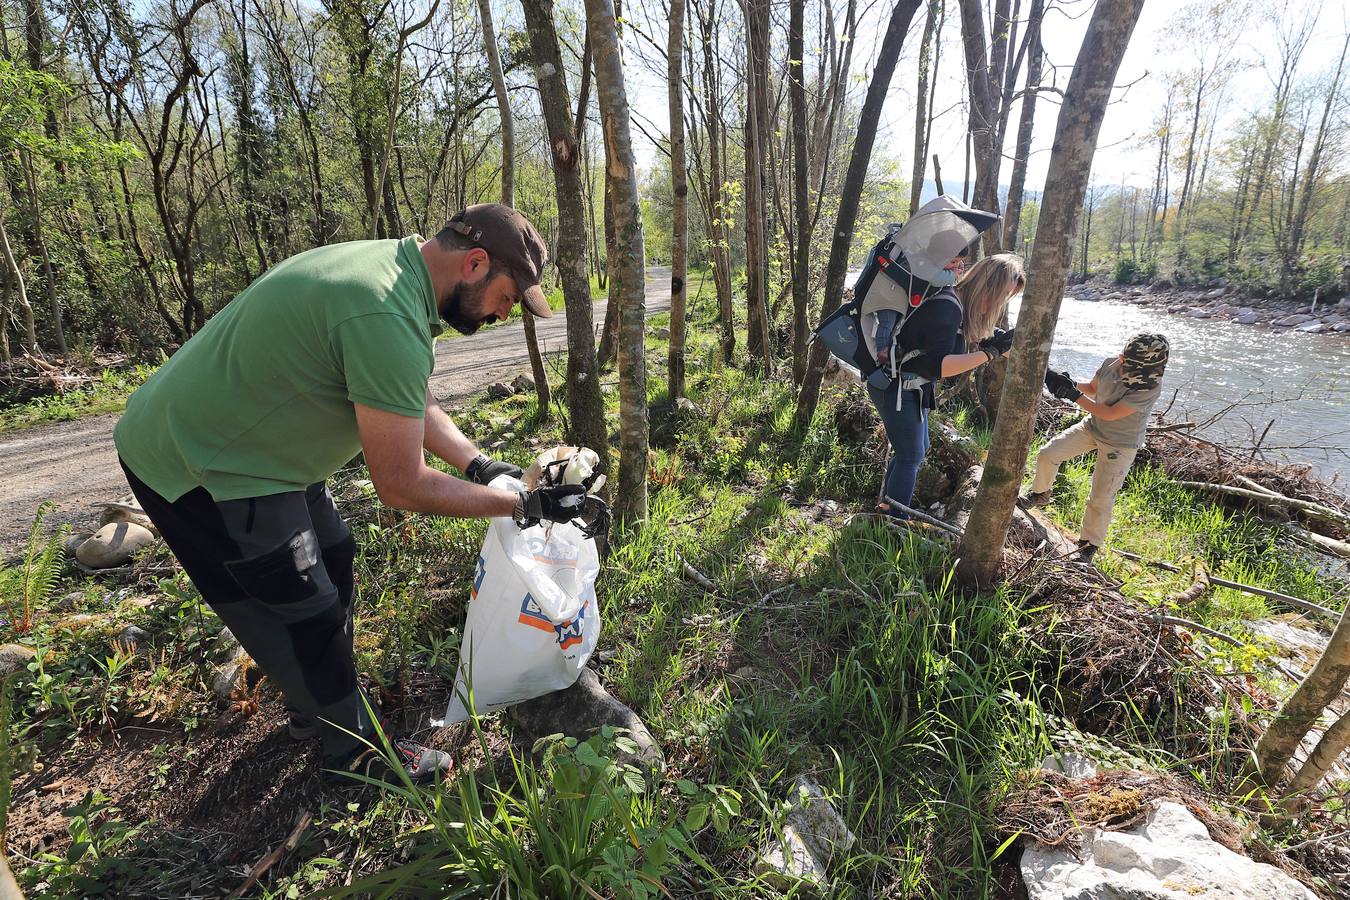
[(484, 468), (1000, 343), (559, 503), (1061, 385)]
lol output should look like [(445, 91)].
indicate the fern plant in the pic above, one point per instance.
[(42, 563)]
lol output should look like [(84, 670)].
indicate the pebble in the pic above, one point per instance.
[(14, 657), (133, 638)]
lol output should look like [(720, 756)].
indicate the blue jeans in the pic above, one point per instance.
[(907, 429)]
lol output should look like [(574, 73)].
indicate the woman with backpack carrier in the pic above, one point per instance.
[(933, 342)]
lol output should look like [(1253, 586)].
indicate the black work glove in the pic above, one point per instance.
[(1062, 386), (559, 503), (998, 344), (484, 468)]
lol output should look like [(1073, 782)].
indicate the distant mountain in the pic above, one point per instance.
[(954, 188)]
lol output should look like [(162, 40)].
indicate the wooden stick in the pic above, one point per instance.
[(261, 866), (1264, 496), (1220, 636), (1295, 602), (925, 517), (1331, 545)]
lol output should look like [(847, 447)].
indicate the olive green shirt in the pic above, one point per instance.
[(260, 401)]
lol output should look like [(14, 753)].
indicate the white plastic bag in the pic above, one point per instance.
[(533, 616)]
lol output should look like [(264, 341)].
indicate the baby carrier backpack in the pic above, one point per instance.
[(903, 270)]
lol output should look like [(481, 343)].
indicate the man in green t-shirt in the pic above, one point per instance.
[(327, 354)]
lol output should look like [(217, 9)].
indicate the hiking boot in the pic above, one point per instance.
[(1033, 500), (421, 763), (299, 727), (1086, 551)]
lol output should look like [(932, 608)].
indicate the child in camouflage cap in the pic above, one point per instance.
[(1119, 398)]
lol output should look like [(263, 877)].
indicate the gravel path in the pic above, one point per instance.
[(74, 464)]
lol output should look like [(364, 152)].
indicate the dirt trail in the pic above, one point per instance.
[(74, 464)]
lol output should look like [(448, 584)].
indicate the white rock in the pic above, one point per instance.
[(1074, 765), (1312, 328), (113, 545), (813, 834), (1168, 857), (1246, 318), (1342, 328), (1198, 313)]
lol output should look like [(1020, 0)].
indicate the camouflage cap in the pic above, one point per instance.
[(1145, 360)]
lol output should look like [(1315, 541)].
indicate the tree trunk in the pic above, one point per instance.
[(801, 165), (679, 191), (586, 406), (620, 171), (1076, 132), (1022, 153), (29, 325), (1305, 200), (850, 196), (48, 270), (756, 209), (922, 123), (719, 231), (540, 374), (983, 115), (1303, 708)]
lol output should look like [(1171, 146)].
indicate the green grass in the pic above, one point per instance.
[(832, 646), (107, 393)]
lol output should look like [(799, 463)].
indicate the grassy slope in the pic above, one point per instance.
[(831, 646)]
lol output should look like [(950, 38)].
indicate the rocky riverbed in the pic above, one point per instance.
[(1224, 302)]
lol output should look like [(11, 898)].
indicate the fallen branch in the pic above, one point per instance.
[(1269, 498), (261, 866), (1295, 602), (1200, 582), (696, 576), (1331, 545), (924, 517), (1219, 636)]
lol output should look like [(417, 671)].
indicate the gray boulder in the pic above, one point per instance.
[(523, 384), (1246, 318), (1292, 320), (134, 638), (500, 389), (812, 835), (580, 711)]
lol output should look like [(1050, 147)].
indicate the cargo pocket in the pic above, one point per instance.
[(282, 575)]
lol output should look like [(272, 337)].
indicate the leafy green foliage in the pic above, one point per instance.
[(28, 588)]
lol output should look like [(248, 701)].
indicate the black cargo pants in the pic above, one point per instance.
[(278, 572)]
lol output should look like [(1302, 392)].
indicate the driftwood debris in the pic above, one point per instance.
[(1295, 602)]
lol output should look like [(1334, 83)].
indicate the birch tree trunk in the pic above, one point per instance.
[(851, 195), (679, 189), (1076, 132), (620, 172), (29, 325), (1303, 708), (586, 407)]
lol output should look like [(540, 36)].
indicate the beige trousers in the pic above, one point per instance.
[(1113, 464)]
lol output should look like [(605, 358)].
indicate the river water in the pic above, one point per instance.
[(1299, 382)]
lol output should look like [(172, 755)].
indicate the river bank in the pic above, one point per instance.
[(1224, 302)]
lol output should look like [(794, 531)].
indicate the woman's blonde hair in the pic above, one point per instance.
[(985, 291)]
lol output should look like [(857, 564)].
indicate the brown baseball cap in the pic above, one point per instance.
[(510, 239)]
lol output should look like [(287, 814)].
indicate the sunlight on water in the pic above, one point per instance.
[(1297, 381)]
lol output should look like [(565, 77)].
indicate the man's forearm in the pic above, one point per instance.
[(443, 438), (433, 491)]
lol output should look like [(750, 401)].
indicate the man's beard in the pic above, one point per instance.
[(464, 297)]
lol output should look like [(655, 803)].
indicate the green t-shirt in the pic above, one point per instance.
[(260, 401)]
